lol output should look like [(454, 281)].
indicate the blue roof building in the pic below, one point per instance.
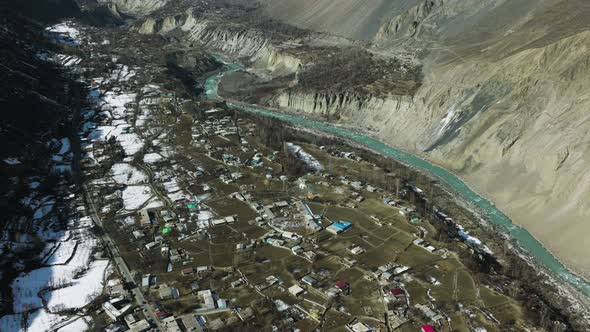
[(343, 225)]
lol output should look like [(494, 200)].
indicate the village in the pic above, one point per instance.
[(207, 227), (217, 231)]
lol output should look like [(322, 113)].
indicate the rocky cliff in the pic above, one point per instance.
[(257, 47)]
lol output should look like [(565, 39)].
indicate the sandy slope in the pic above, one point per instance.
[(349, 18)]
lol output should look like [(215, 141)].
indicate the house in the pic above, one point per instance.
[(216, 324), (115, 288), (342, 285), (309, 280), (237, 283), (424, 245), (297, 250), (357, 185), (246, 313), (195, 288), (310, 255), (290, 236), (312, 194), (190, 322), (275, 242), (281, 204), (269, 281), (145, 280), (349, 262), (431, 314), (295, 290), (389, 201), (400, 269), (397, 292), (151, 245), (138, 234), (144, 218), (359, 327), (116, 308), (203, 269), (167, 215), (218, 222), (221, 303), (170, 325), (302, 182), (208, 299), (387, 276), (187, 271), (161, 314), (338, 227), (166, 292), (332, 292), (428, 328), (356, 250), (139, 326)]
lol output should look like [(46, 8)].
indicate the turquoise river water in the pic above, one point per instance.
[(521, 235)]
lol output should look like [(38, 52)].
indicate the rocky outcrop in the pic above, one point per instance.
[(346, 107), (166, 24), (409, 22), (133, 8), (240, 41), (254, 46)]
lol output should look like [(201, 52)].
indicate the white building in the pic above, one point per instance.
[(295, 290)]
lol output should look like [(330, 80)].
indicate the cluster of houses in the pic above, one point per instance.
[(179, 213)]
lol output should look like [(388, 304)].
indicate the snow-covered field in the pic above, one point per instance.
[(26, 287), (64, 33), (82, 290), (131, 143), (124, 173), (43, 321), (62, 252), (134, 197), (70, 277), (151, 158)]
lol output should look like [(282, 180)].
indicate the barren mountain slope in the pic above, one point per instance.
[(348, 18)]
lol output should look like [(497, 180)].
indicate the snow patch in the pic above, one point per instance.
[(135, 197), (126, 174)]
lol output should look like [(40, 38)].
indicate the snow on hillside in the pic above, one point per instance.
[(307, 158)]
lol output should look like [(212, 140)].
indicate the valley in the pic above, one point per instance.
[(219, 165)]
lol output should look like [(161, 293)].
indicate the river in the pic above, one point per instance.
[(521, 235)]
